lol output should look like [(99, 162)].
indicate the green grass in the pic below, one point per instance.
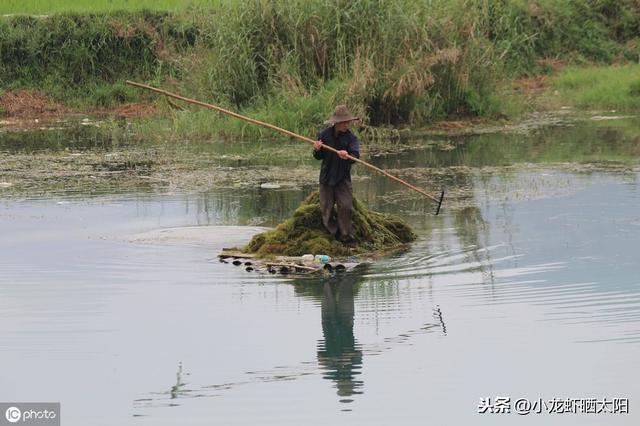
[(43, 7), (612, 87)]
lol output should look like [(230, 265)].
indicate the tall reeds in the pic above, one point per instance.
[(393, 62)]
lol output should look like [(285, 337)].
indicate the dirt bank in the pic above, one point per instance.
[(33, 109), (30, 104)]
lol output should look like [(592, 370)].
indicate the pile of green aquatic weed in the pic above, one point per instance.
[(304, 233)]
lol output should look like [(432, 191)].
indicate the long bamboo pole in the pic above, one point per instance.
[(288, 133)]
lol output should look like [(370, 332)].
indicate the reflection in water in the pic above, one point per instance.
[(437, 314), (339, 355), (473, 232), (63, 138), (175, 389)]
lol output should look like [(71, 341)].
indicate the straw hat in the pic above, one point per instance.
[(340, 114)]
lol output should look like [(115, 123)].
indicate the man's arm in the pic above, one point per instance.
[(318, 152), (354, 148)]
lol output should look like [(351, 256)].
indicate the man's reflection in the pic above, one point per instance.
[(339, 355)]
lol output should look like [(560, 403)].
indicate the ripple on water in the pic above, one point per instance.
[(481, 277)]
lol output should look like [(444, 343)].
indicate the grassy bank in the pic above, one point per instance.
[(394, 63), (600, 87), (45, 7)]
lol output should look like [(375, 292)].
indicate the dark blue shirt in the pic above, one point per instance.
[(334, 169)]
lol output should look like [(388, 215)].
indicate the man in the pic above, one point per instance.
[(335, 173)]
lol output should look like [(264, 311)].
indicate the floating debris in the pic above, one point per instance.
[(284, 265), (268, 185), (258, 220), (610, 117)]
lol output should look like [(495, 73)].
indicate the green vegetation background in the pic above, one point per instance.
[(400, 63)]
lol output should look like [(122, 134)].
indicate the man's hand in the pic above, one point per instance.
[(343, 154), (317, 145)]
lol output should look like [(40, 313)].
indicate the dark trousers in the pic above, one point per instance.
[(342, 196)]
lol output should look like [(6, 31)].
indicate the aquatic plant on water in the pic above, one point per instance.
[(304, 233)]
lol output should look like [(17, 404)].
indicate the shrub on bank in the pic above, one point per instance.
[(394, 63)]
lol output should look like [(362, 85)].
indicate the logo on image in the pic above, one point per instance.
[(30, 413), (13, 414)]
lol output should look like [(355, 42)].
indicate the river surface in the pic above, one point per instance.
[(527, 285)]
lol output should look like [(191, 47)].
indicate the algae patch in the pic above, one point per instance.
[(304, 233)]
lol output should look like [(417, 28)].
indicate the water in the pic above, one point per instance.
[(526, 286)]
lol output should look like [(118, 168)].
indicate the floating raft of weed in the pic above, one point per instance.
[(304, 233)]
